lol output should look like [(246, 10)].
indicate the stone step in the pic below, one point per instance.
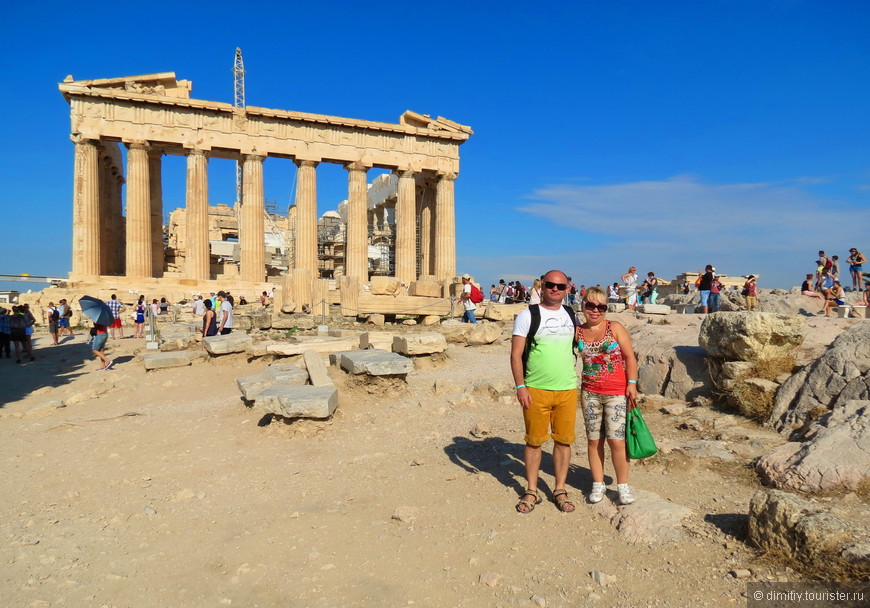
[(375, 363)]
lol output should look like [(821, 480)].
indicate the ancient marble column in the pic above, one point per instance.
[(426, 201), (155, 174), (356, 252), (406, 234), (86, 210), (197, 256), (139, 250), (252, 237), (445, 227), (305, 257)]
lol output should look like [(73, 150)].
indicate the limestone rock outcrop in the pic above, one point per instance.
[(840, 375), (751, 336), (802, 530), (834, 454)]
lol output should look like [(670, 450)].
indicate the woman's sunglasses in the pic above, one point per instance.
[(591, 306), (559, 286)]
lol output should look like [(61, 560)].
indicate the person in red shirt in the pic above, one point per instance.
[(609, 385)]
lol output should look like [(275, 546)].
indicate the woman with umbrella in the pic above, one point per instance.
[(97, 311)]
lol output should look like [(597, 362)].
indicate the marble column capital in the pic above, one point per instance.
[(138, 145), (404, 172), (301, 162), (257, 158), (82, 140), (197, 152), (357, 166), (447, 175)]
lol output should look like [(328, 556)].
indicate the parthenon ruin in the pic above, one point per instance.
[(118, 233)]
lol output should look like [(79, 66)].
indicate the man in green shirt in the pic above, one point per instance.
[(546, 384)]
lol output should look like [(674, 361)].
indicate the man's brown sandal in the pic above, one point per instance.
[(564, 505), (527, 506)]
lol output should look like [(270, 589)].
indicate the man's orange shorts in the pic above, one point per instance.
[(551, 410)]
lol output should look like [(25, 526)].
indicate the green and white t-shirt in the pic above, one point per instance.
[(551, 361)]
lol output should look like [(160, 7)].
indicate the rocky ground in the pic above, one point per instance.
[(163, 488)]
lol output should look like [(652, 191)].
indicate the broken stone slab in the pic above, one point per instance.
[(317, 373), (252, 386), (286, 374), (427, 289), (179, 330), (299, 401), (502, 312), (430, 320), (654, 309), (385, 286), (376, 363), (419, 344), (484, 333), (382, 340), (321, 344), (376, 319), (158, 360), (455, 332), (224, 345)]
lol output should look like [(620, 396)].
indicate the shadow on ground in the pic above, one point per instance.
[(54, 366), (504, 461)]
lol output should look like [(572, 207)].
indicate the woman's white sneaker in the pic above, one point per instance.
[(625, 495), (597, 493)]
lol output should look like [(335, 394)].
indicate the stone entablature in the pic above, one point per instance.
[(104, 112)]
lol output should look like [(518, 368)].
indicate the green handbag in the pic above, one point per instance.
[(639, 441)]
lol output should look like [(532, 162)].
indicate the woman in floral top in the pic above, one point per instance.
[(609, 392)]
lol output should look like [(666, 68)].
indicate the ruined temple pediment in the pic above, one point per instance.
[(424, 121), (163, 84)]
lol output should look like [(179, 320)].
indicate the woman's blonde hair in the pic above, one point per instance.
[(595, 291), (537, 284)]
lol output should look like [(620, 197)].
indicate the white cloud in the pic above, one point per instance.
[(680, 223)]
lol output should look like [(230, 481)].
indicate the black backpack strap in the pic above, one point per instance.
[(535, 312), (571, 314)]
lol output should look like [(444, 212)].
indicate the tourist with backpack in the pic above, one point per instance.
[(542, 364), (53, 318), (467, 301)]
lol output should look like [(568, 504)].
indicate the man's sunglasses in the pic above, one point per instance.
[(559, 286), (592, 306)]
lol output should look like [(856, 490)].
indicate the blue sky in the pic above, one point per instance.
[(665, 135)]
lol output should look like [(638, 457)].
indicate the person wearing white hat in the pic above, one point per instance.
[(465, 298)]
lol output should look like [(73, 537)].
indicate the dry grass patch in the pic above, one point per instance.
[(817, 566)]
